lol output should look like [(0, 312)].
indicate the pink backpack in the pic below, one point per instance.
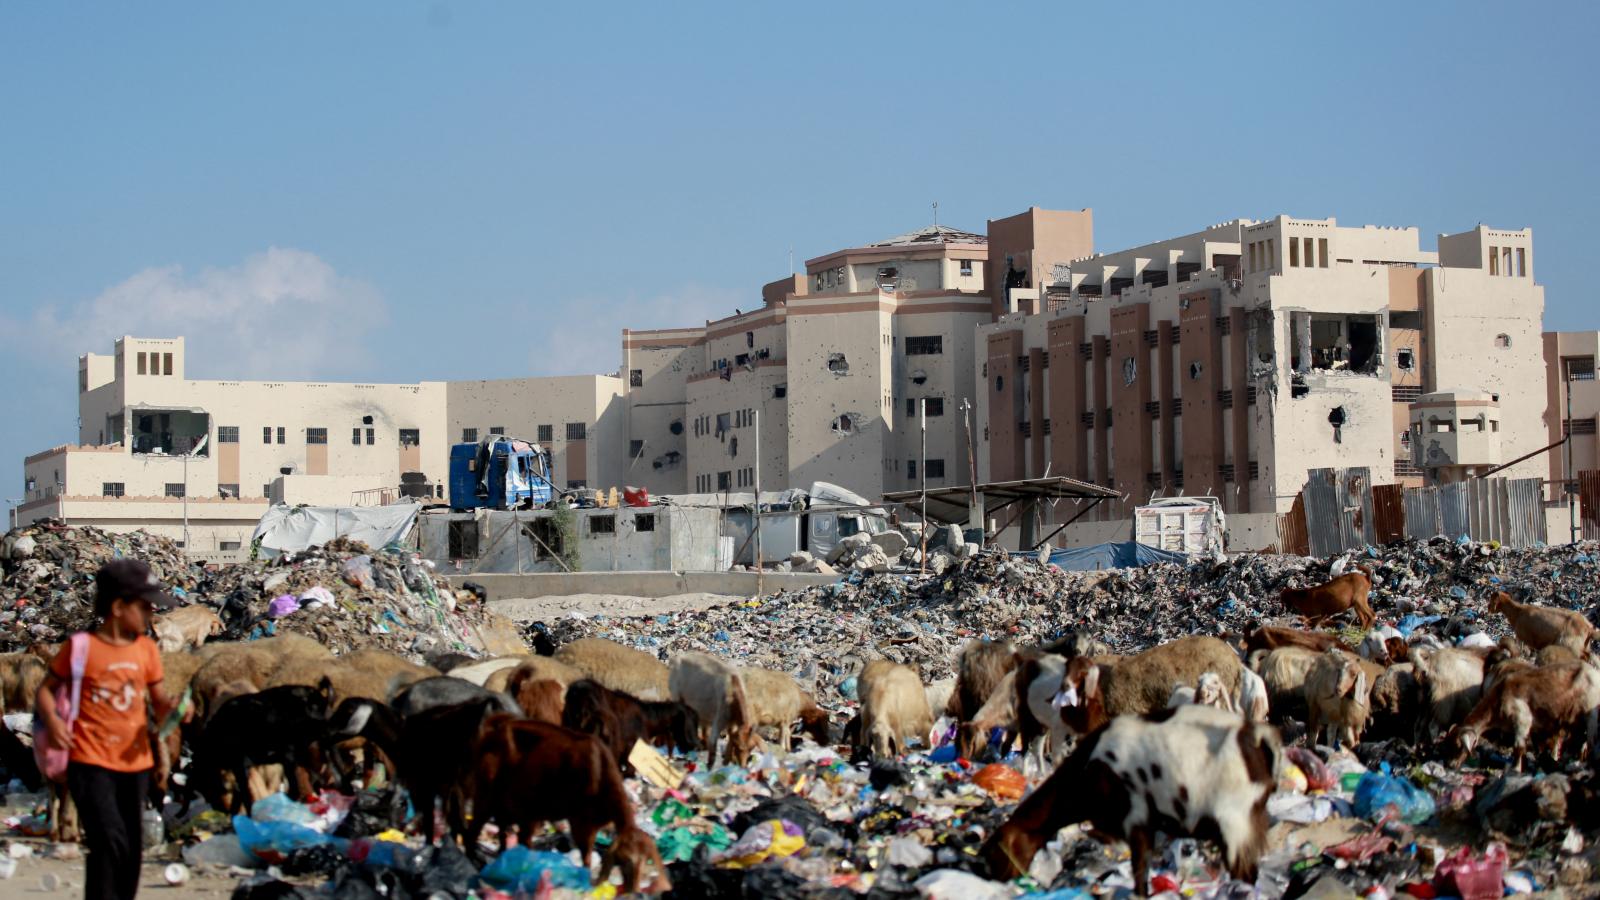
[(53, 760)]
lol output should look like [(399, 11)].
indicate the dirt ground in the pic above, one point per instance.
[(32, 872)]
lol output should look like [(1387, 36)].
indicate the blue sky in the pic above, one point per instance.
[(404, 191)]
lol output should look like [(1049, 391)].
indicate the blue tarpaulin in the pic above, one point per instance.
[(1114, 555)]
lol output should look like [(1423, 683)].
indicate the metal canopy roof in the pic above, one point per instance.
[(949, 504)]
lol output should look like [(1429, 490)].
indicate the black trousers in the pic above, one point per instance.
[(109, 806)]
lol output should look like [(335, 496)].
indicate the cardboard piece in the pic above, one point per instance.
[(653, 767)]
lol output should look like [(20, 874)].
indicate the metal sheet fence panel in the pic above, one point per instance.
[(1589, 504), (1525, 508), (1453, 516), (1338, 510), (1486, 509), (1388, 512), (1422, 513)]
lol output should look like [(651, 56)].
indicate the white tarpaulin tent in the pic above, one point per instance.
[(291, 528)]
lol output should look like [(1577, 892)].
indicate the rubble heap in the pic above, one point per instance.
[(824, 634)]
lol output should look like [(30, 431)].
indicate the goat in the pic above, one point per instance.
[(372, 723), (482, 672), (999, 711), (893, 708), (1338, 698), (617, 667), (1044, 735), (395, 671), (1318, 604), (1092, 693), (1273, 637), (620, 720), (1549, 701), (1283, 672), (185, 628), (1541, 626), (715, 691), (532, 772), (1451, 682), (777, 700), (447, 690), (1396, 701), (1193, 771), (1253, 702), (979, 668), (1207, 691), (282, 725), (20, 677), (941, 696), (436, 760)]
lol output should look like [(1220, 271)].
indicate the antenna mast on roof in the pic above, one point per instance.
[(791, 259), (935, 214)]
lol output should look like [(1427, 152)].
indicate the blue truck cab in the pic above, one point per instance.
[(500, 473)]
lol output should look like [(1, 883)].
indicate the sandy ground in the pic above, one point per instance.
[(32, 871), (529, 609)]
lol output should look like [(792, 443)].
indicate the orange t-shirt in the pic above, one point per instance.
[(112, 730)]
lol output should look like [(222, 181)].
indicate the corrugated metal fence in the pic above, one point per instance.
[(1589, 504), (1340, 509)]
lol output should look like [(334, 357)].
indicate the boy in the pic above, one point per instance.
[(110, 741)]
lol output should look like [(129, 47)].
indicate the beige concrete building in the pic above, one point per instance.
[(1569, 358), (1229, 361), (834, 365), (578, 418)]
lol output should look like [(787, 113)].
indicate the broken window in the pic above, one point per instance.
[(733, 446), (722, 423), (919, 377), (644, 522), (1130, 370), (780, 391), (1336, 343), (934, 468), (888, 278), (229, 491), (636, 378), (1406, 359), (1195, 370), (844, 424), (1440, 426), (602, 524), (925, 346), (742, 359), (545, 537), (724, 481), (410, 437), (1298, 387), (1502, 341), (837, 364), (175, 489), (171, 432)]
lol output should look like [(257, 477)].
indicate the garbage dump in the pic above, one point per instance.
[(1395, 811)]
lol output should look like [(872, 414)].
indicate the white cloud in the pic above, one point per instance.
[(587, 338), (282, 313)]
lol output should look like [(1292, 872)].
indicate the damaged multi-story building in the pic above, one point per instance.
[(1230, 361)]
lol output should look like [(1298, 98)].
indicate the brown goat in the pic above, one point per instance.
[(1549, 702), (979, 667), (1541, 626), (999, 711), (541, 699), (1318, 604), (1272, 637), (1092, 692), (20, 677), (186, 628)]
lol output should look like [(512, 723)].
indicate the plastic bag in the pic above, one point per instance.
[(1318, 776), (519, 871), (1380, 790), (274, 841), (283, 606), (679, 844), (769, 839), (279, 808), (222, 850), (1001, 781), (358, 571), (316, 597), (1472, 878)]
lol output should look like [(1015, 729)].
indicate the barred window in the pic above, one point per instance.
[(227, 434), (577, 431), (924, 346), (316, 435)]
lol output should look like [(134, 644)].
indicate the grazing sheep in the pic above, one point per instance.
[(1338, 698), (1318, 604), (1284, 673), (942, 696), (1194, 771), (542, 668), (395, 670), (1092, 693), (185, 628), (237, 663), (1541, 626), (979, 668), (482, 672), (777, 700), (893, 708), (1451, 682), (1549, 702), (715, 691), (1207, 691), (617, 667), (1396, 702)]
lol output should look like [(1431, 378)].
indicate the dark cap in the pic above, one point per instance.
[(129, 579)]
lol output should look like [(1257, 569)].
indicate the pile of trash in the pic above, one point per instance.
[(47, 585), (344, 594), (824, 635)]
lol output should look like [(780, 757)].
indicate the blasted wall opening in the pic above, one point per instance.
[(1337, 343), (171, 432)]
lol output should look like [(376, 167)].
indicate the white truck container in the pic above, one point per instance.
[(1194, 525)]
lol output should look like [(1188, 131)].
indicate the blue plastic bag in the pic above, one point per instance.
[(273, 841), (518, 871), (1380, 790)]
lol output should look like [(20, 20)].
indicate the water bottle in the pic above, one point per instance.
[(152, 829)]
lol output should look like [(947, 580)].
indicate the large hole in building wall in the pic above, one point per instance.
[(837, 364), (171, 432), (919, 377), (1336, 343), (1406, 359), (845, 424), (1195, 370), (1337, 418)]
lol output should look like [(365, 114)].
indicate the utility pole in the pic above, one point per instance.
[(1566, 481), (755, 512), (972, 466), (922, 420)]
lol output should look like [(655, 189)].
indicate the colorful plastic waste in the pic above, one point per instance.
[(1001, 781), (1470, 876), (1379, 791), (520, 871), (775, 837)]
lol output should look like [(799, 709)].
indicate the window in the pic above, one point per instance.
[(966, 267), (644, 522), (227, 545), (316, 435), (372, 436), (888, 278), (724, 481), (111, 489), (1294, 253), (780, 391), (911, 469), (141, 364), (1494, 260), (924, 346), (175, 489), (935, 406), (636, 378), (547, 433), (1405, 358), (497, 431), (463, 539), (266, 434), (469, 435), (281, 434), (602, 524), (576, 431), (228, 491), (935, 468), (1502, 340), (845, 424), (1505, 265), (749, 338), (355, 435), (410, 437), (227, 434), (911, 407), (266, 490), (1322, 253), (635, 448), (723, 422), (166, 358), (1580, 368), (1522, 263)]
